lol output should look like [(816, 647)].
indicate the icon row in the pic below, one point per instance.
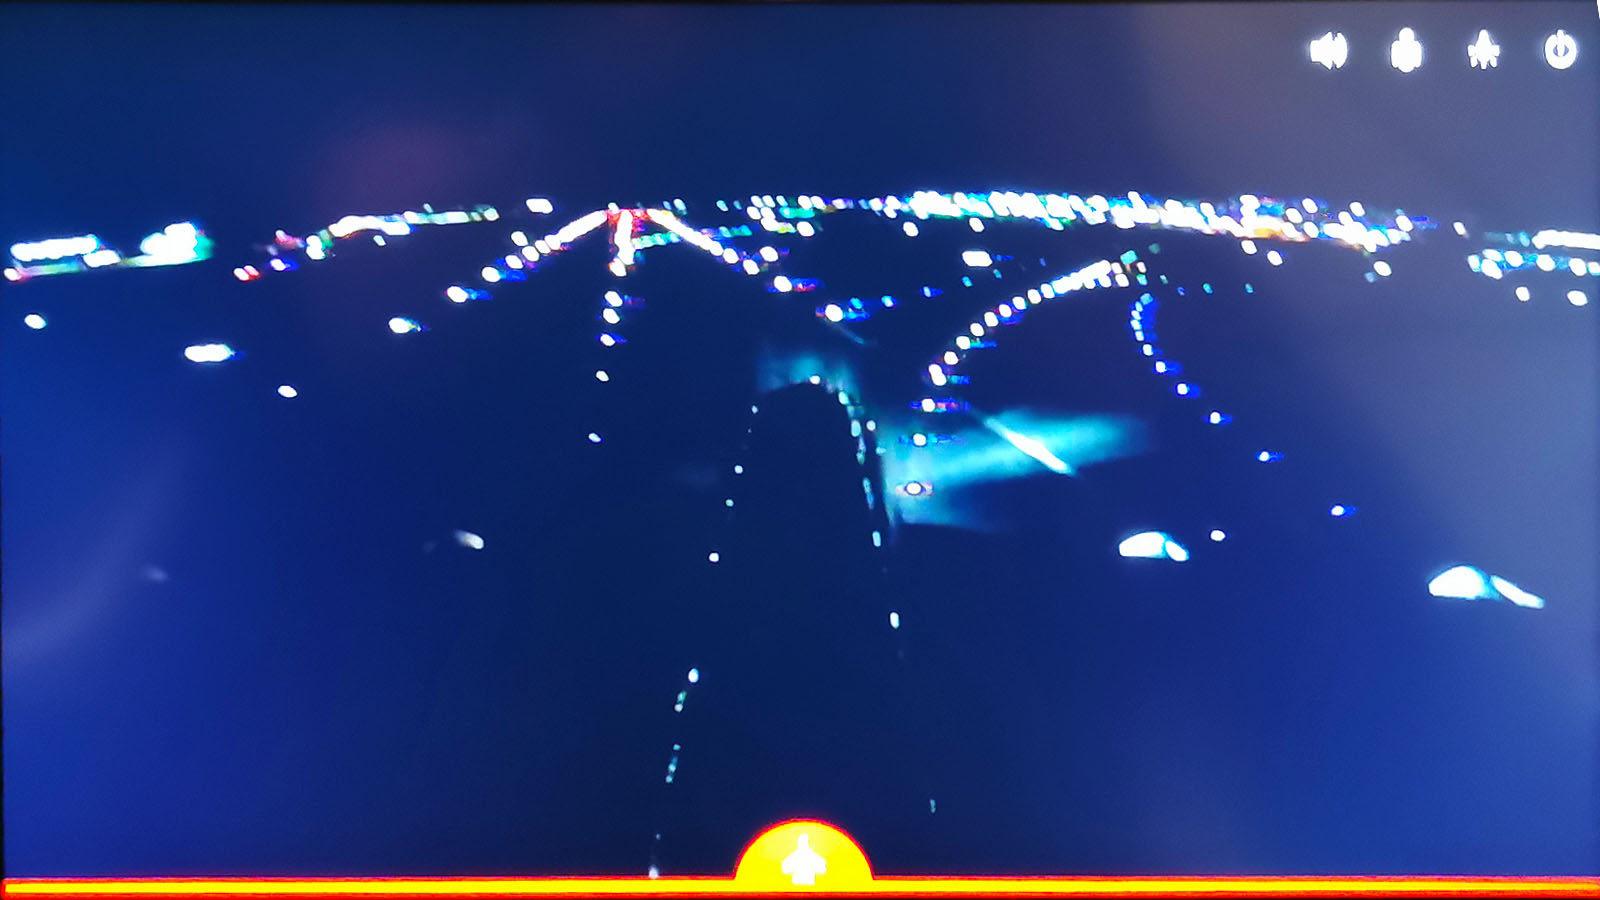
[(1332, 50)]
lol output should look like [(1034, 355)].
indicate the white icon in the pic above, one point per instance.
[(1405, 53), (1560, 50), (1483, 53), (804, 864), (1330, 51)]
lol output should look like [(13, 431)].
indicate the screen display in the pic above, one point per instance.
[(1039, 440)]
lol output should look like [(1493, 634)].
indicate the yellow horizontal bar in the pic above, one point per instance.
[(1370, 886)]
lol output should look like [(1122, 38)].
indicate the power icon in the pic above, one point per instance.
[(1560, 50)]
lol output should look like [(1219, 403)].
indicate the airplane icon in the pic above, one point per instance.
[(1483, 53), (804, 864)]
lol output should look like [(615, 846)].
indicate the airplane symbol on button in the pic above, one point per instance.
[(804, 864), (1485, 53)]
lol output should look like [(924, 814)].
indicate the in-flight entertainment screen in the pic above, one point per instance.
[(1086, 439)]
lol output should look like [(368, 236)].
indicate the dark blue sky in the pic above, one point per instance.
[(310, 692), (274, 113)]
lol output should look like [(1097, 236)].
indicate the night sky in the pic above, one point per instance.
[(240, 638)]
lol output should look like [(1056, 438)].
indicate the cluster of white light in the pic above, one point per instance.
[(1495, 263), (208, 353), (530, 252), (575, 229), (1576, 240), (749, 265), (1471, 583), (318, 245), (694, 238), (54, 248), (391, 225), (1153, 545), (1247, 218), (622, 239), (176, 244), (1102, 273), (692, 679)]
